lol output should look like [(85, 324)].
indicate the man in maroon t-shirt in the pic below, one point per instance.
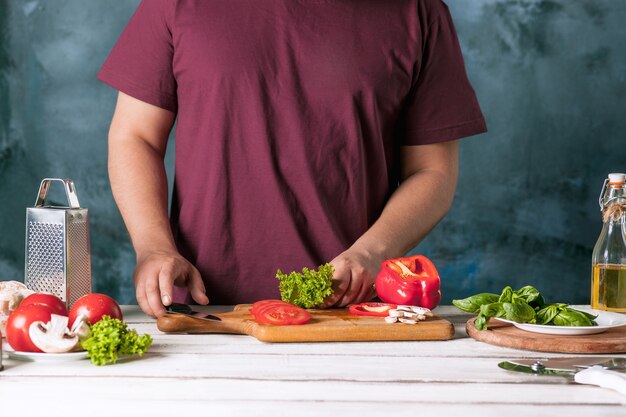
[(307, 131)]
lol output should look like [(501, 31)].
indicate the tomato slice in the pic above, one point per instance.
[(282, 315), (257, 306), (372, 309)]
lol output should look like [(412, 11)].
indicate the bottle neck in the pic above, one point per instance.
[(614, 214), (615, 191), (614, 203)]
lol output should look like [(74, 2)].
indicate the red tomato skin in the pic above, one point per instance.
[(94, 306), (54, 303), (19, 323)]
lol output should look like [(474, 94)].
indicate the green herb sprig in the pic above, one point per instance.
[(111, 337), (525, 305), (308, 288)]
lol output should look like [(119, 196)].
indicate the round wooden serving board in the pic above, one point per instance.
[(505, 334)]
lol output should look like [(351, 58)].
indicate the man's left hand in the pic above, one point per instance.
[(354, 276)]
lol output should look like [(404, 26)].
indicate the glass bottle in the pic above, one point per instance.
[(608, 261)]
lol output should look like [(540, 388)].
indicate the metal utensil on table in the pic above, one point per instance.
[(58, 258), (178, 308), (601, 371)]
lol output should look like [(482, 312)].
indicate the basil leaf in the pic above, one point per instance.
[(507, 295), (492, 310), (529, 295), (519, 312), (571, 317), (486, 312), (547, 314), (481, 322), (589, 316), (472, 304)]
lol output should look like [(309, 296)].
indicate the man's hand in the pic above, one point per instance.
[(155, 276), (355, 272)]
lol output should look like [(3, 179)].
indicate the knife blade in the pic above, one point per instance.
[(600, 371), (178, 308), (572, 364)]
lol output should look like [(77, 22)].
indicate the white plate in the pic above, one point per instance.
[(43, 357), (606, 320)]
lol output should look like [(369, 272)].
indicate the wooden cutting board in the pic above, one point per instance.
[(505, 334), (332, 325)]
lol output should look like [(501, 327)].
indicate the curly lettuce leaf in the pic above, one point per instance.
[(111, 337), (308, 288)]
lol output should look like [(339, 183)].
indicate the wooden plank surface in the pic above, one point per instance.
[(505, 334), (235, 375), (332, 325)]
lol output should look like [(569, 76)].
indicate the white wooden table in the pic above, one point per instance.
[(231, 375)]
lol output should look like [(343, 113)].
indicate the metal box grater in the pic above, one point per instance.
[(58, 259)]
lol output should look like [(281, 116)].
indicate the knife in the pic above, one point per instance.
[(181, 318), (600, 371), (177, 308)]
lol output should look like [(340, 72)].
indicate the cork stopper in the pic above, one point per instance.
[(617, 178)]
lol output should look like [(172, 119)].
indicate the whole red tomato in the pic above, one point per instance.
[(94, 306), (51, 301), (19, 322)]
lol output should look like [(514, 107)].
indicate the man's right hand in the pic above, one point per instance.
[(156, 274)]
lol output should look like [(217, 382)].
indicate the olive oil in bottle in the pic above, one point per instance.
[(608, 263), (609, 288)]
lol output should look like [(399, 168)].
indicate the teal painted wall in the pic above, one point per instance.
[(550, 76)]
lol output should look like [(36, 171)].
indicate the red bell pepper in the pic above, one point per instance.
[(409, 281), (371, 309)]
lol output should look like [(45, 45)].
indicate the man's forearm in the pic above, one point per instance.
[(137, 144), (139, 185), (418, 204), (413, 210)]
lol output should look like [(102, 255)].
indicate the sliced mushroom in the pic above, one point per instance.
[(54, 336), (422, 311), (81, 329), (396, 313), (408, 314), (406, 321)]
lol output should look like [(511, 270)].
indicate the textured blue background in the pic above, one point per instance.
[(550, 76)]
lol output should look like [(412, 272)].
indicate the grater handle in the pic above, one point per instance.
[(70, 192)]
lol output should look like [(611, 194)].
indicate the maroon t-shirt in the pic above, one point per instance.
[(290, 115)]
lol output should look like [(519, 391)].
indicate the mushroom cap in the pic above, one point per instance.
[(54, 336), (11, 295)]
